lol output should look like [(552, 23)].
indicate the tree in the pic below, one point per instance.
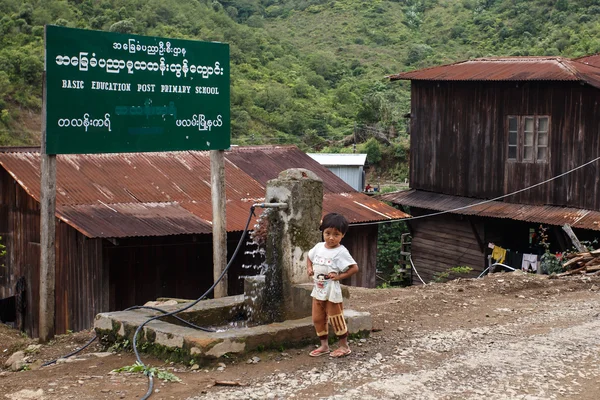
[(373, 150), (125, 26)]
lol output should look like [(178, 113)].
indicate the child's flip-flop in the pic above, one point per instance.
[(340, 353), (318, 353)]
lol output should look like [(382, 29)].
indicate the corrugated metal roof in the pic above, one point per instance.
[(590, 60), (264, 163), (133, 219), (509, 69), (169, 193), (358, 207), (328, 159), (552, 215)]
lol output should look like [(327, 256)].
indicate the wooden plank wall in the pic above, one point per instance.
[(21, 226), (361, 242), (81, 280), (459, 140), (81, 283), (143, 269), (442, 242)]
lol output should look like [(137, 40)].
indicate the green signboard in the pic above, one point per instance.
[(110, 93)]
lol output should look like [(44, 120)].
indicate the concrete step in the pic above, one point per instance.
[(182, 343)]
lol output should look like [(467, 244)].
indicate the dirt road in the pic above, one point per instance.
[(506, 336)]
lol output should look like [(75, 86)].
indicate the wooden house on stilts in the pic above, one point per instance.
[(504, 151)]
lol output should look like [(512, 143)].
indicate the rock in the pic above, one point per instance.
[(37, 364), (255, 360), (195, 367), (16, 361), (33, 348), (26, 394), (3, 374), (67, 360), (222, 365)]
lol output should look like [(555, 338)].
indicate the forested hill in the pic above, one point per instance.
[(308, 72)]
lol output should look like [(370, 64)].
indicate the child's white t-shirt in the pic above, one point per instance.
[(324, 261)]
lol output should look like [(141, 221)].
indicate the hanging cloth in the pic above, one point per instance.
[(498, 254), (530, 262)]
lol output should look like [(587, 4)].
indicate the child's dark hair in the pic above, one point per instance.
[(335, 220)]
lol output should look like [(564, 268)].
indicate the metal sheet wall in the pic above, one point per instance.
[(351, 175), (459, 140)]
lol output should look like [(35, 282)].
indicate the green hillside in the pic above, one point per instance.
[(309, 72)]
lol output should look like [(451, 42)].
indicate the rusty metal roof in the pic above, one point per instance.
[(509, 69), (132, 219), (358, 207), (552, 215), (169, 193), (590, 60), (266, 162)]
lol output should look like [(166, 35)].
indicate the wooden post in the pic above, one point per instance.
[(580, 248), (219, 227), (47, 233)]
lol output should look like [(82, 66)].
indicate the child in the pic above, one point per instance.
[(329, 262)]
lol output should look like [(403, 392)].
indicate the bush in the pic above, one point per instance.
[(418, 52), (388, 248), (373, 150)]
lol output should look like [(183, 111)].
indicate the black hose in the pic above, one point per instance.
[(137, 331), (167, 314), (174, 316), (72, 353)]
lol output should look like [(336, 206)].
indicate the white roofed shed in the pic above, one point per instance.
[(348, 167)]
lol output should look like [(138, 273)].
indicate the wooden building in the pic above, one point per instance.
[(134, 227), (485, 128)]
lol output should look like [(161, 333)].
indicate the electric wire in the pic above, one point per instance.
[(477, 204), (483, 201), (172, 313), (137, 331)]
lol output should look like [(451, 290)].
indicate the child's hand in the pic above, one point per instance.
[(333, 276), (310, 271)]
